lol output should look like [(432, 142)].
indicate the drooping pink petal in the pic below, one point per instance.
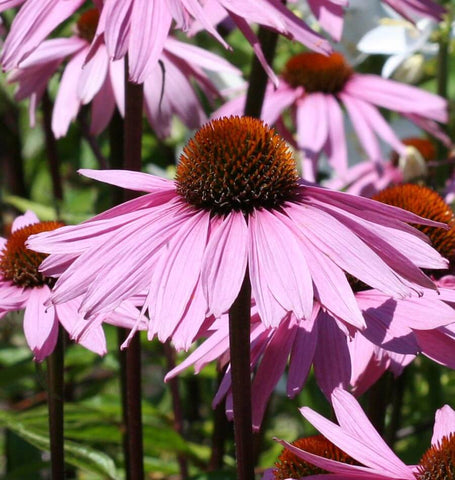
[(67, 103), (114, 25), (32, 25), (224, 264), (40, 323), (397, 96), (271, 368), (150, 24), (93, 75), (332, 362), (357, 437), (302, 353), (176, 274), (103, 106), (329, 15), (312, 122), (336, 141), (438, 345), (361, 127), (278, 268)]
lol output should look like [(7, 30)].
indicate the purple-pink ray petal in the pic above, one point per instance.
[(150, 24), (279, 272), (271, 368), (444, 424), (302, 353), (137, 181), (332, 362), (40, 323), (177, 273), (224, 263), (31, 26)]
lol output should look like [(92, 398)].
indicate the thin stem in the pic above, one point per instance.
[(121, 337), (134, 409), (91, 140), (220, 430), (258, 77), (55, 401), (132, 136), (239, 344), (52, 153), (169, 353)]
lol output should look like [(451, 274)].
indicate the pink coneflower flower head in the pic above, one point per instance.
[(411, 9), (23, 286), (168, 89), (316, 86), (358, 439), (140, 28), (236, 202), (98, 82)]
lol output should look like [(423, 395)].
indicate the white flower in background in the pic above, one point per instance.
[(406, 44)]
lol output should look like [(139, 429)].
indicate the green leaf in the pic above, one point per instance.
[(76, 454), (44, 212)]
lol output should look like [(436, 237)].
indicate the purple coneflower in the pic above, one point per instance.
[(141, 27), (23, 287), (358, 450), (168, 89), (236, 203), (316, 87)]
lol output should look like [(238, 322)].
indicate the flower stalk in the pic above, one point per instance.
[(239, 345), (52, 153), (55, 380), (132, 136)]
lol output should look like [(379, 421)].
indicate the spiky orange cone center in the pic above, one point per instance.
[(438, 462), (429, 204), (19, 264), (236, 164)]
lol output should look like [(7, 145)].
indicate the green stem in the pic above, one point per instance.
[(239, 345), (52, 153), (258, 77), (169, 353), (132, 135), (55, 379)]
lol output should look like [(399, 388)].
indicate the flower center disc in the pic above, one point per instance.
[(19, 264), (236, 164), (291, 466), (438, 462), (87, 24), (317, 73), (428, 204)]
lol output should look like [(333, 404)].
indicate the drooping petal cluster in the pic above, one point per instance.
[(315, 88), (140, 28), (236, 203), (357, 438), (23, 287), (99, 81)]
